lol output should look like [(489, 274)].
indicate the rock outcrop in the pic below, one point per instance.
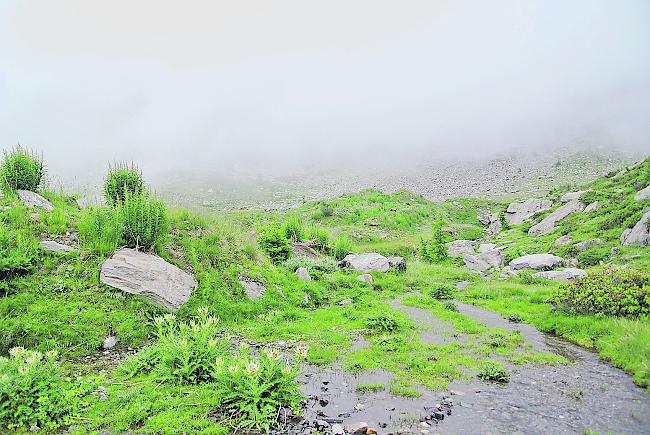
[(547, 225), (592, 207), (253, 289), (587, 244), (458, 248), (148, 275), (639, 234), (569, 274), (562, 240), (643, 194), (518, 212), (34, 200), (56, 247), (537, 262), (488, 257), (370, 262), (572, 196), (303, 274)]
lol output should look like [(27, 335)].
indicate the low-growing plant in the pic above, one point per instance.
[(441, 290), (514, 317), (493, 371), (369, 388), (144, 220), (612, 292), (100, 230), (593, 256), (322, 264), (382, 323), (341, 247), (18, 253), (275, 243), (320, 239), (21, 170), (120, 180), (293, 229), (389, 343), (450, 306), (434, 250)]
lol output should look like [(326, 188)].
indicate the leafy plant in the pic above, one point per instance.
[(21, 170), (434, 250), (293, 229), (593, 256), (273, 240), (144, 220), (514, 317), (441, 290), (320, 238), (493, 371), (369, 388), (120, 180), (100, 230), (382, 323), (612, 292), (341, 247), (18, 253), (323, 264), (450, 306)]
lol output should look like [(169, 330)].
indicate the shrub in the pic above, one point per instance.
[(514, 318), (100, 230), (493, 371), (434, 250), (341, 247), (120, 180), (441, 290), (34, 392), (293, 229), (450, 306), (320, 238), (273, 240), (593, 256), (144, 220), (382, 323), (369, 388), (612, 292), (21, 170), (18, 252)]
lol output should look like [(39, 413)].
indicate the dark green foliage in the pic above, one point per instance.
[(100, 230), (341, 247), (120, 180), (514, 317), (434, 250), (450, 306), (382, 323), (320, 239), (593, 256), (144, 220), (493, 371), (441, 290), (18, 252), (612, 292), (294, 229), (273, 241), (21, 170), (504, 222)]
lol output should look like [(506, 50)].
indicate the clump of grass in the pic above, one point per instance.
[(382, 323), (433, 250), (369, 388), (122, 179), (274, 242), (514, 317), (450, 306), (294, 229), (441, 290), (144, 220), (323, 264), (494, 371), (341, 247), (18, 253), (21, 170), (100, 230), (320, 238)]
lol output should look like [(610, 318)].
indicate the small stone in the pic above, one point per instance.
[(383, 424), (366, 277), (101, 389), (357, 428), (462, 284), (303, 274), (34, 428), (337, 429), (371, 431), (439, 415), (345, 302), (424, 424), (359, 407), (103, 397), (109, 342)]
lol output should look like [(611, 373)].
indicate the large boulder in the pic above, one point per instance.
[(56, 247), (537, 262), (518, 212), (304, 250), (643, 194), (570, 274), (148, 275), (487, 259), (370, 262), (459, 248), (547, 225), (34, 200), (639, 234)]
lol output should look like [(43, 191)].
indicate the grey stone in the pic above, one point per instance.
[(52, 246), (461, 285), (365, 278), (587, 244), (34, 200), (370, 262), (475, 263), (459, 248), (337, 429), (397, 263), (518, 212), (639, 234), (109, 342), (356, 428), (304, 250), (643, 194), (303, 274), (254, 289), (345, 302), (563, 240), (547, 225), (570, 274), (592, 207), (494, 228), (507, 272), (148, 275), (537, 262), (572, 196)]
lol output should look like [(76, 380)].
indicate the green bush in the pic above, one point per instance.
[(341, 247), (100, 230), (434, 249), (514, 318), (612, 292), (593, 256), (21, 170), (18, 253), (144, 220), (120, 180), (293, 229), (320, 239), (441, 290), (450, 306), (34, 392), (273, 241), (382, 323), (493, 371)]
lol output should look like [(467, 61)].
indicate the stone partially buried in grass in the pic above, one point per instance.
[(148, 275), (56, 247), (370, 262), (34, 200)]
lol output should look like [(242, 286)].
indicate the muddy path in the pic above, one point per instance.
[(588, 393)]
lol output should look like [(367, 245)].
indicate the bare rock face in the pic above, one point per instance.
[(34, 200), (572, 196), (459, 248), (148, 275), (537, 262), (370, 262), (254, 289), (643, 194), (570, 274), (562, 240), (518, 212), (592, 207), (56, 247), (303, 274), (547, 225), (639, 234), (304, 250)]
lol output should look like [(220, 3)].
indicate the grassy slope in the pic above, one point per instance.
[(62, 305)]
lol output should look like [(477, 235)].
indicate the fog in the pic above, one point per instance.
[(280, 86)]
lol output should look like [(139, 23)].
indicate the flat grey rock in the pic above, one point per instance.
[(254, 289), (570, 274), (303, 274), (369, 262), (52, 246), (304, 250), (563, 240), (537, 262), (458, 248), (547, 225), (572, 196), (592, 207), (148, 275), (518, 212), (639, 234), (643, 194), (34, 200)]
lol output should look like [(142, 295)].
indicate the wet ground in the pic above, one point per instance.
[(564, 399)]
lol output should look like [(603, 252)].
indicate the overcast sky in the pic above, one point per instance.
[(276, 83)]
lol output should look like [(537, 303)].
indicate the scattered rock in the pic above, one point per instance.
[(587, 244), (345, 302), (303, 274), (518, 212), (366, 277), (337, 429), (148, 275), (34, 200), (507, 272), (356, 428), (488, 257), (562, 240), (458, 248), (397, 263), (109, 342), (304, 250), (254, 289), (461, 285), (537, 262), (370, 262), (34, 428), (572, 196), (56, 247), (475, 263), (547, 225), (643, 194), (592, 207), (570, 274), (639, 234)]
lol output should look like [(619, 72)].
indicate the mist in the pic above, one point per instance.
[(288, 86)]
